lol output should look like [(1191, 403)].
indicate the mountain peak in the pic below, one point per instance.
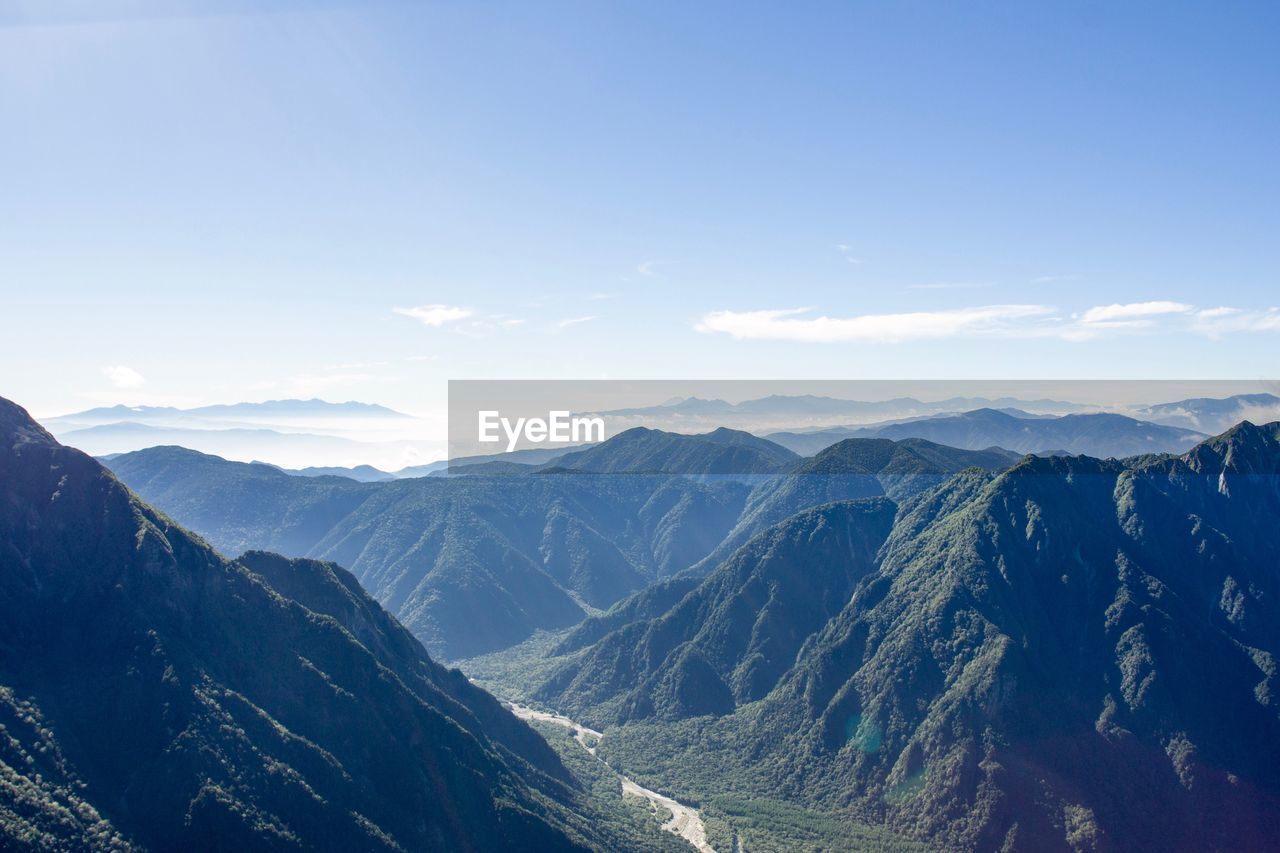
[(165, 692), (1248, 431), (18, 427), (1246, 448)]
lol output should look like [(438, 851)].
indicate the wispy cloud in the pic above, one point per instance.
[(949, 285), (464, 321), (1051, 279), (648, 268), (845, 249), (1134, 311), (1006, 321), (435, 315), (574, 321), (600, 297), (786, 325), (358, 365), (1216, 322), (124, 377)]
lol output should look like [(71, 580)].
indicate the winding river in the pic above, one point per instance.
[(685, 820)]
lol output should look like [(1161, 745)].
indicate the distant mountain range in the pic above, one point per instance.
[(809, 405), (303, 434), (270, 409), (293, 434), (1101, 435), (359, 473), (1214, 415), (154, 695)]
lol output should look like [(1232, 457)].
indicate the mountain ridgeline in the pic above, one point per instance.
[(470, 564), (154, 695), (723, 452), (478, 562), (729, 641), (850, 470), (1072, 653)]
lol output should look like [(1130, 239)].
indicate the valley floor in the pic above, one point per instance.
[(732, 812), (685, 820)]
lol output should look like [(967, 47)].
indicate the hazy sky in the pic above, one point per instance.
[(363, 200)]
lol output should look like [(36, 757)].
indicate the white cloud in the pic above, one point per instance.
[(870, 328), (1006, 321), (357, 365), (1133, 311), (124, 377), (435, 315), (948, 285), (647, 268), (844, 248), (1215, 322), (573, 321)]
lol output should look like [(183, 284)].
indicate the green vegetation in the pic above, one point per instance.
[(1072, 653), (515, 673), (763, 825), (154, 694), (724, 452), (470, 564), (1043, 653), (853, 469), (628, 818), (729, 641)]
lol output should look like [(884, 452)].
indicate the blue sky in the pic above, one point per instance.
[(207, 202)]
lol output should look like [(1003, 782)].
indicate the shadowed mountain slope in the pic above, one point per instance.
[(1072, 653), (730, 640), (850, 470), (469, 564), (157, 695), (1069, 654), (854, 468), (723, 452)]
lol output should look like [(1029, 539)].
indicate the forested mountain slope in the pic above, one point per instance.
[(469, 564), (154, 694), (1073, 653)]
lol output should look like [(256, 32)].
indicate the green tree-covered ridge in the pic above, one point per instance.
[(155, 695)]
